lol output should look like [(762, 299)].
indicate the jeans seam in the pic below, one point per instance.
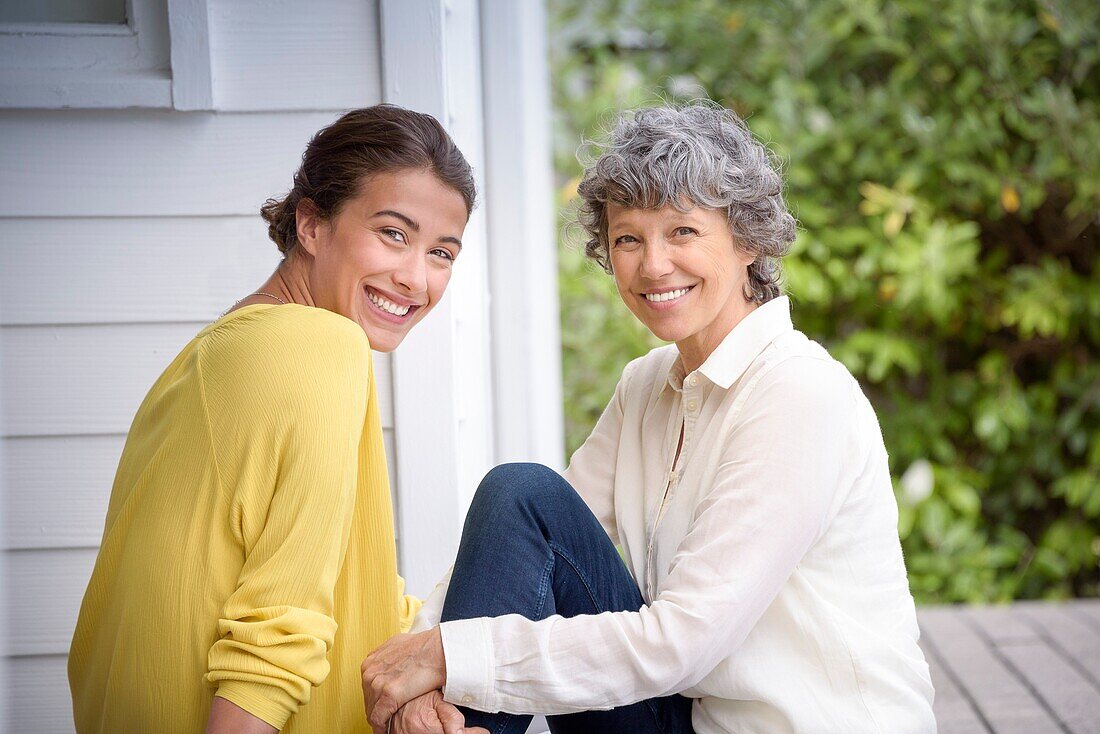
[(544, 587), (557, 549)]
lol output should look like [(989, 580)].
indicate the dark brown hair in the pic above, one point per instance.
[(361, 144)]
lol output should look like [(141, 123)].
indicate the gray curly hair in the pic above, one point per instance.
[(700, 154)]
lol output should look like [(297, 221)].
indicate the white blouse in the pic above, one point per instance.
[(768, 556)]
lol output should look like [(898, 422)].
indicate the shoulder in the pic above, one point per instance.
[(298, 327), (799, 375), (296, 349), (291, 333)]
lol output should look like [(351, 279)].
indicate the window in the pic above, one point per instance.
[(104, 53), (106, 12)]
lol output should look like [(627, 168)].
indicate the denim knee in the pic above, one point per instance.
[(515, 485)]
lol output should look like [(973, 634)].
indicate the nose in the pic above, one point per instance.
[(656, 262), (411, 273)]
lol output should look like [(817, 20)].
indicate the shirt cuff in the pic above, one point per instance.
[(468, 654), (269, 703)]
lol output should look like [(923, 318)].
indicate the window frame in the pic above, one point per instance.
[(159, 59)]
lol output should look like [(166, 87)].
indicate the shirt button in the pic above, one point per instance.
[(693, 380), (692, 406), (467, 699)]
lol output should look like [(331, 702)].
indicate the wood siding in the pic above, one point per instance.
[(122, 233)]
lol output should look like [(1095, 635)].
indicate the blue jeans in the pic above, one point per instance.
[(531, 546)]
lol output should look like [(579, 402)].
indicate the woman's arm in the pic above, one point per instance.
[(229, 718), (771, 500), (286, 419)]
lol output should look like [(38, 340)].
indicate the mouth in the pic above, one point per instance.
[(389, 307), (664, 298)]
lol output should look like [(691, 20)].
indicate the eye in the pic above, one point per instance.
[(394, 234), (443, 253), (625, 239), (684, 231)]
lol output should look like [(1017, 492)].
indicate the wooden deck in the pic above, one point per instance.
[(1027, 668)]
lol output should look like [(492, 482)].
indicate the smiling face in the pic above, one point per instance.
[(681, 273), (385, 259)]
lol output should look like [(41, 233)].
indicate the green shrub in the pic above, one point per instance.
[(943, 159)]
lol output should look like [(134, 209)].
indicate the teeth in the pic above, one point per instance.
[(656, 297), (387, 306)]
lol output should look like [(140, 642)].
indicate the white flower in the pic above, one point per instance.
[(917, 482)]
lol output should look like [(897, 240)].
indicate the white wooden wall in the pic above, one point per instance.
[(122, 232), (128, 220)]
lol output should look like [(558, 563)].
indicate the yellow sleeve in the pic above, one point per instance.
[(286, 419), (407, 606)]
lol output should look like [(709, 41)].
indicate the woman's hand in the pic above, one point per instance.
[(430, 714), (401, 669)]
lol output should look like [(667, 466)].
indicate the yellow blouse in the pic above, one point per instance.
[(248, 550)]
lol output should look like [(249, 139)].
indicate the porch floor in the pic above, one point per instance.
[(1025, 668)]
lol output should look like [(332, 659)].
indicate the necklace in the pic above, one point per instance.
[(257, 293)]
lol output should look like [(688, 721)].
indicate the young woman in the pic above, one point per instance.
[(248, 559), (741, 470)]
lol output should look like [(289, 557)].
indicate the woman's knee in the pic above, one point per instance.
[(518, 485)]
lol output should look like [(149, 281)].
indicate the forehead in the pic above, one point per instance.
[(416, 193), (633, 216)]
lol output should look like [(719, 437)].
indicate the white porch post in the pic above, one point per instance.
[(441, 373), (522, 246)]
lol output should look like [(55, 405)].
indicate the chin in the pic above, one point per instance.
[(665, 332), (383, 344)]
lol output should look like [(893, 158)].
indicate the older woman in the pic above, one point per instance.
[(248, 558), (742, 472)]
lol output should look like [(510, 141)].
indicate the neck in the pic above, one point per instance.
[(290, 281), (695, 349)]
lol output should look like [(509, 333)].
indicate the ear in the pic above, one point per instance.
[(310, 226), (743, 254)]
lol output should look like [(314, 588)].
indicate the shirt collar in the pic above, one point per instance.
[(741, 346)]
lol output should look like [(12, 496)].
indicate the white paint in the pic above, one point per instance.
[(523, 250), (93, 163), (412, 55), (56, 489), (81, 270), (142, 45), (56, 89), (6, 628), (52, 584), (192, 73), (473, 378), (38, 696), (269, 54), (107, 66)]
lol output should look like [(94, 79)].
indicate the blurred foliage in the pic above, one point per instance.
[(943, 159)]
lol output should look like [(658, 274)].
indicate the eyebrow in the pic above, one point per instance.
[(414, 225)]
